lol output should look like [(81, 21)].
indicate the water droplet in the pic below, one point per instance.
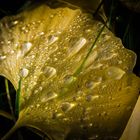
[(66, 119), (91, 97), (120, 62), (89, 84), (41, 33), (114, 73), (12, 52), (98, 79), (15, 22), (88, 30), (56, 115), (106, 37), (51, 16), (8, 42), (46, 108), (77, 46), (49, 96), (51, 39), (32, 106), (40, 88), (33, 56), (37, 105), (24, 72), (91, 59), (110, 56), (26, 47), (67, 106), (2, 57), (24, 29), (49, 72), (55, 59), (68, 79), (92, 84)]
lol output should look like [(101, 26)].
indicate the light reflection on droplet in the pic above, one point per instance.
[(92, 84), (91, 97), (90, 60), (67, 106), (15, 22), (114, 73), (77, 46), (68, 79), (37, 105), (24, 72), (49, 72), (49, 96), (56, 115), (2, 57), (52, 39)]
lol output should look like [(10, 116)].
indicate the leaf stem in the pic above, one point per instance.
[(10, 132)]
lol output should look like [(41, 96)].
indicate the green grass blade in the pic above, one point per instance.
[(9, 98), (89, 52)]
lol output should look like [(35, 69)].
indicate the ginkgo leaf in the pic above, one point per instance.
[(45, 46)]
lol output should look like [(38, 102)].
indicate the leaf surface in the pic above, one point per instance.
[(45, 46)]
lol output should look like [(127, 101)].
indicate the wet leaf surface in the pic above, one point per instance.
[(45, 46)]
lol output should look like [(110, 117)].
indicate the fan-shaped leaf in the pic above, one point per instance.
[(45, 46)]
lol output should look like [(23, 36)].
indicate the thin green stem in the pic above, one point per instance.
[(89, 52), (9, 99)]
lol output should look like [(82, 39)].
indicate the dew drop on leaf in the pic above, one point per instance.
[(26, 47), (52, 39), (68, 79), (91, 97), (66, 106), (114, 73), (2, 57), (24, 72), (77, 46), (49, 72), (49, 96)]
